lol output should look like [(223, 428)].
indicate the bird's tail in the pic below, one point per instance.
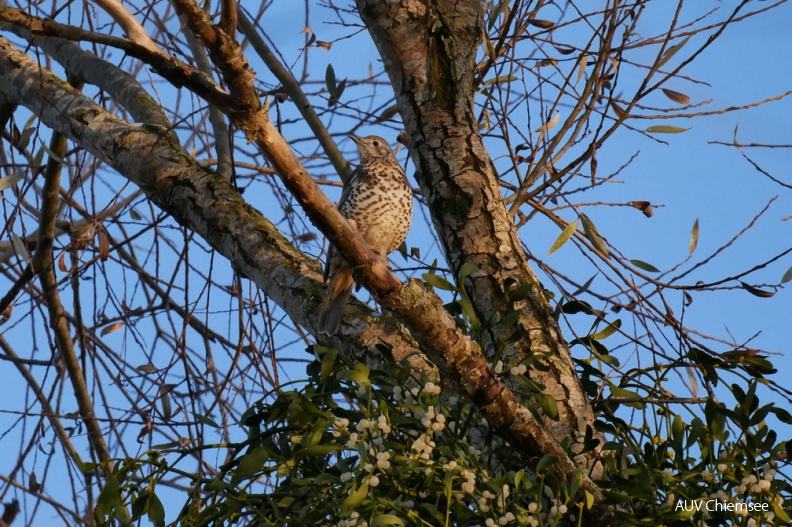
[(337, 296)]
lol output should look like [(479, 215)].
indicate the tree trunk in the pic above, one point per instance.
[(429, 51)]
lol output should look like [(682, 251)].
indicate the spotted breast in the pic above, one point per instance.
[(378, 199)]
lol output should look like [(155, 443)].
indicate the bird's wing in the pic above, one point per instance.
[(344, 197), (348, 186)]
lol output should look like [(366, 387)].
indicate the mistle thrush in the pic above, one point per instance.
[(378, 199)]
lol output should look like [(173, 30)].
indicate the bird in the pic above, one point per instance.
[(377, 199)]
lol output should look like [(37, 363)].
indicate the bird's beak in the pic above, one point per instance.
[(357, 140)]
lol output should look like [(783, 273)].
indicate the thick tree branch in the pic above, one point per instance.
[(207, 204), (296, 94), (429, 51)]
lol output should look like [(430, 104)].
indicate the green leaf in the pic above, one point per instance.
[(589, 500), (109, 500), (438, 282), (468, 269), (649, 268), (10, 180), (328, 361), (386, 519), (575, 483), (518, 477), (780, 513), (666, 129), (565, 235), (678, 429), (467, 309), (84, 466), (353, 375), (549, 406), (251, 463), (694, 237), (316, 450), (356, 498), (520, 292), (546, 462), (205, 420), (670, 52), (782, 415), (621, 393), (156, 512), (607, 332)]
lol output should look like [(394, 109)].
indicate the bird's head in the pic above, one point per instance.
[(371, 147)]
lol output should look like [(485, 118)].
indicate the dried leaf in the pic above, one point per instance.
[(19, 247), (649, 268), (493, 17), (33, 483), (693, 382), (165, 403), (387, 114), (670, 52), (307, 30), (330, 80), (594, 236), (489, 49), (55, 157), (547, 62), (675, 96), (756, 291), (324, 45), (307, 237), (104, 246), (618, 110), (147, 368), (549, 124), (10, 180), (543, 24), (146, 430), (500, 79), (563, 237), (694, 237), (787, 276), (643, 206), (564, 50), (582, 67), (62, 263), (666, 129), (24, 139), (112, 328)]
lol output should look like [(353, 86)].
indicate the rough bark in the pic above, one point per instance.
[(204, 202), (150, 157), (429, 51)]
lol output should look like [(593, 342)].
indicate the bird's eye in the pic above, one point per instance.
[(375, 143)]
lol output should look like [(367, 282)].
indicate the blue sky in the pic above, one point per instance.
[(689, 177)]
